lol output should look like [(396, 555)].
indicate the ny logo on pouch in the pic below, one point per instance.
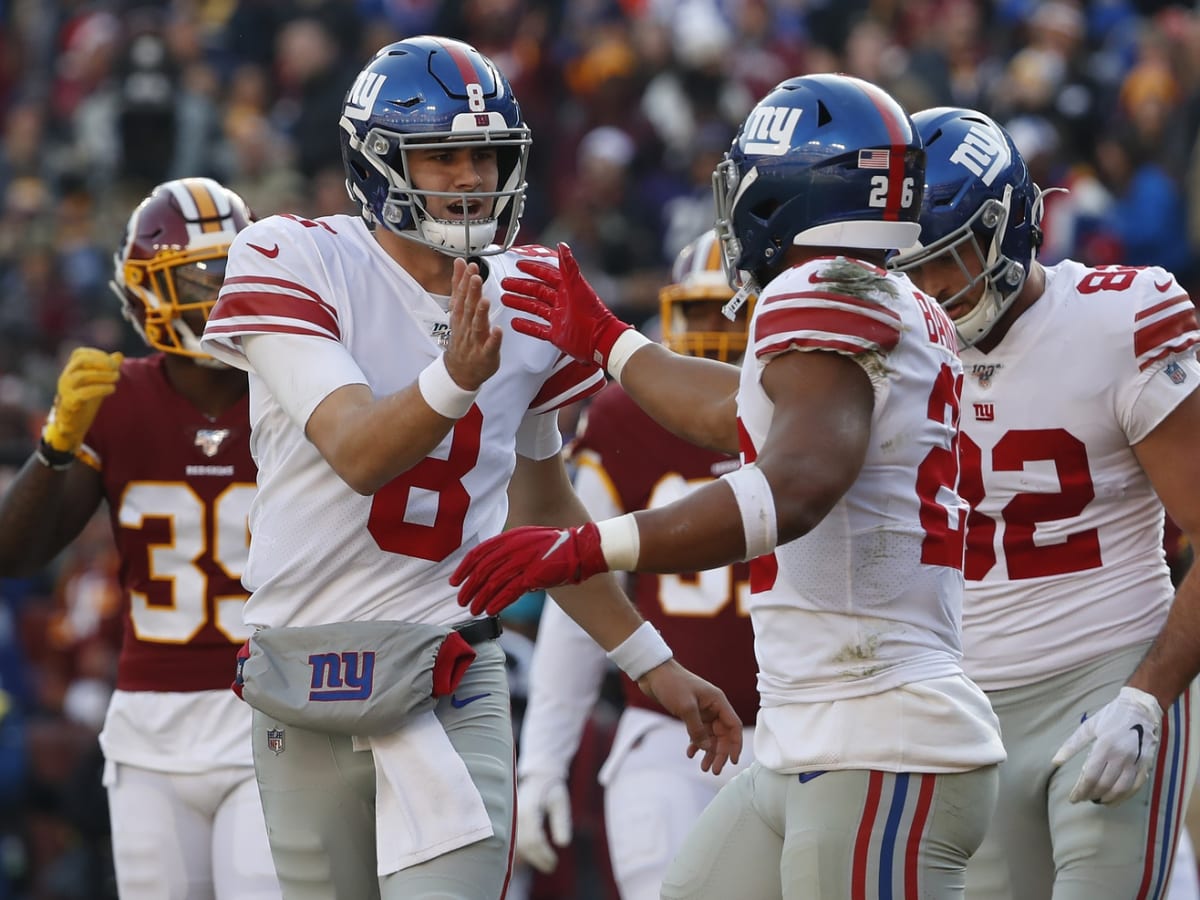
[(344, 676)]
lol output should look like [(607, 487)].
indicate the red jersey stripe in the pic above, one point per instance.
[(822, 324), (259, 305), (570, 382), (1173, 334)]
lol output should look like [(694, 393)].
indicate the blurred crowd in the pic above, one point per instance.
[(631, 103)]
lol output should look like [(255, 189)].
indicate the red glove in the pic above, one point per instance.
[(500, 570), (576, 321)]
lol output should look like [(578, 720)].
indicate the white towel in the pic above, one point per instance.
[(425, 801)]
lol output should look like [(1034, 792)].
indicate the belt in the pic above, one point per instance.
[(479, 630)]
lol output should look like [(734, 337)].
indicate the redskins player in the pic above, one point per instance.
[(652, 791), (163, 439)]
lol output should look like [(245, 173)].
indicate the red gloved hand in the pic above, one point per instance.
[(497, 572), (575, 320)]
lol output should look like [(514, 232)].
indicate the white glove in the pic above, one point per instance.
[(1126, 732), (542, 798)]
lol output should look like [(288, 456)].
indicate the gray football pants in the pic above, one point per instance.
[(318, 797), (840, 835), (1041, 845)]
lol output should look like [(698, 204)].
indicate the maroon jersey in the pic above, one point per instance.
[(702, 615), (179, 487)]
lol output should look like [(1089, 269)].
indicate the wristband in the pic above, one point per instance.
[(756, 503), (58, 460), (620, 542), (641, 651), (441, 392), (630, 341)]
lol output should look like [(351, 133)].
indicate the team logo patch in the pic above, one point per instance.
[(984, 373), (440, 332), (342, 676), (209, 440), (363, 94), (985, 412), (1176, 373), (275, 740)]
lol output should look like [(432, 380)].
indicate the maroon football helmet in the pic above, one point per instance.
[(171, 262)]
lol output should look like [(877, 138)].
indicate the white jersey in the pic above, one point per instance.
[(857, 623), (1064, 558), (320, 551)]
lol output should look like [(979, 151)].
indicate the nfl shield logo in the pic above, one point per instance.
[(1175, 372), (275, 740)]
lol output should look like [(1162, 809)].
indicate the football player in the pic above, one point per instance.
[(875, 767), (1080, 419), (164, 441), (392, 434), (652, 793)]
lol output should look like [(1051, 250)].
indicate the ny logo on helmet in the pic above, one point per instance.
[(769, 129), (983, 152), (363, 94)]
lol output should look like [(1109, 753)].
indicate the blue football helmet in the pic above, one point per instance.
[(420, 91), (981, 200), (823, 161)]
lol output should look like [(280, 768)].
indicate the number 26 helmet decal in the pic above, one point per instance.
[(430, 90), (822, 160)]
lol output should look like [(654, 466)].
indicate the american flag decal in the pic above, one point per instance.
[(873, 159)]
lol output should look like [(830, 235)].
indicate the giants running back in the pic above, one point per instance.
[(878, 607)]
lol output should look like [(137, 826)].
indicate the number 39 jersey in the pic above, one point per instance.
[(1064, 560), (179, 487), (320, 551)]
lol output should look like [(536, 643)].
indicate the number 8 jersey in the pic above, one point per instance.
[(1064, 560), (320, 551)]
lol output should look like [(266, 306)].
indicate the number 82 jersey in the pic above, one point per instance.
[(1064, 560)]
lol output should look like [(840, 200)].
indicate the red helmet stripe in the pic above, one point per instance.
[(899, 133), (462, 60)]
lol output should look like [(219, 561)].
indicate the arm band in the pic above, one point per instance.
[(441, 392), (58, 460), (629, 343), (755, 502), (641, 651), (620, 542)]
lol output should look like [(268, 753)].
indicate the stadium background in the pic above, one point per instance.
[(631, 103)]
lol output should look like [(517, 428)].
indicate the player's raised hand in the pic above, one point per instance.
[(1126, 732), (713, 727), (89, 376), (567, 311), (474, 352), (542, 802), (496, 573)]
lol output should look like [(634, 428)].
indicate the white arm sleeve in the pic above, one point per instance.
[(300, 370), (538, 436), (564, 682)]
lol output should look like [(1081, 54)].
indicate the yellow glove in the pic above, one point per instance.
[(90, 376)]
